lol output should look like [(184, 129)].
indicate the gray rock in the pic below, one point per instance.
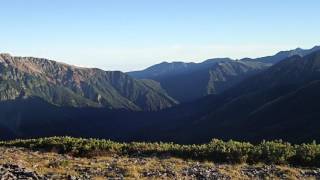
[(201, 172), (11, 171)]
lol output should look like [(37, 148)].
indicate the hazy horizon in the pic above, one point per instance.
[(169, 61), (127, 36)]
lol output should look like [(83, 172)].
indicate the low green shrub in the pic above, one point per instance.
[(269, 152), (307, 155), (276, 152)]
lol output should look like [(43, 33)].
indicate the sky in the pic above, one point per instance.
[(130, 35)]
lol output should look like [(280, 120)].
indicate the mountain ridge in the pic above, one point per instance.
[(63, 84), (211, 76), (272, 104)]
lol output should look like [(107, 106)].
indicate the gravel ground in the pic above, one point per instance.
[(19, 163)]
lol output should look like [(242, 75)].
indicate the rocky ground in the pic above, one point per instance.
[(19, 163)]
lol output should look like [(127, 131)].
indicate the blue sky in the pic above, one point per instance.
[(133, 34)]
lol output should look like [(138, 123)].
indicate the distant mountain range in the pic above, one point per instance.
[(212, 76), (249, 99), (278, 103), (281, 102), (65, 85)]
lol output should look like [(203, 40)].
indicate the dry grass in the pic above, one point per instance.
[(131, 167)]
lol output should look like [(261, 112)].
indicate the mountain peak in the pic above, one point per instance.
[(315, 48), (5, 54), (217, 60)]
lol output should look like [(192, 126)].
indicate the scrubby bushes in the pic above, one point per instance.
[(269, 152), (276, 152), (307, 155), (231, 151), (75, 146)]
